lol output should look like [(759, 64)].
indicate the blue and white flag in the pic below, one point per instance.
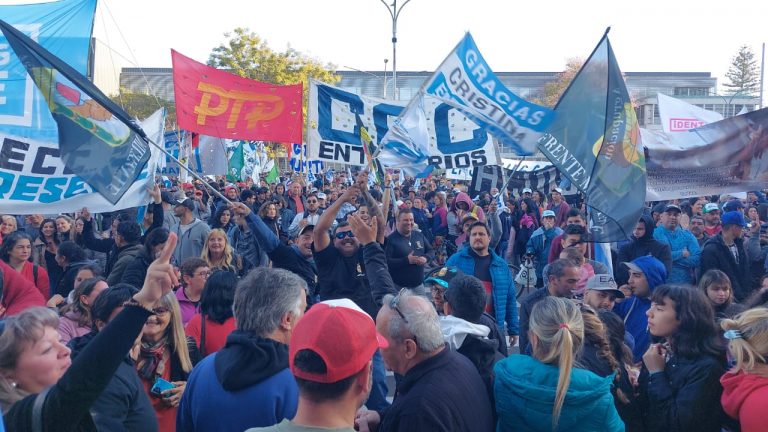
[(63, 28), (464, 85), (446, 137), (311, 177), (329, 175)]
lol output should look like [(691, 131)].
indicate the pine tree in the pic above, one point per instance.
[(743, 73)]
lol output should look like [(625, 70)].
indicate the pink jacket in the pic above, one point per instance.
[(70, 329)]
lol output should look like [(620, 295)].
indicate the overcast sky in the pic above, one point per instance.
[(513, 35)]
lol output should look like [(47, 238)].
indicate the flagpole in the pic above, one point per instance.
[(514, 170), (189, 171)]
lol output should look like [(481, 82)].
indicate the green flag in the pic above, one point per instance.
[(273, 175), (236, 164)]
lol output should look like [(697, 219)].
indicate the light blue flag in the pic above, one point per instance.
[(329, 175), (62, 27)]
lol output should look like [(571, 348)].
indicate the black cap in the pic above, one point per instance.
[(659, 208), (167, 197), (672, 207), (187, 202)]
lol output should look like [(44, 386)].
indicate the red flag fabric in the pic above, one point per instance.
[(217, 103)]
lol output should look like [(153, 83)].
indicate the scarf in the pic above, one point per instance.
[(152, 359)]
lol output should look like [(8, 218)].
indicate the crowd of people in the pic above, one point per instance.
[(283, 306)]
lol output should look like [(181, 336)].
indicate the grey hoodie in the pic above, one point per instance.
[(191, 239)]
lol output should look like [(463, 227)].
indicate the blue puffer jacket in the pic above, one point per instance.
[(525, 391), (504, 294), (679, 239), (539, 244)]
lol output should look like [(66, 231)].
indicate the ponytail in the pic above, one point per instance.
[(564, 364), (747, 335), (559, 329)]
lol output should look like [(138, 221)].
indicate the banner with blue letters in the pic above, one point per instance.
[(34, 179), (334, 132), (463, 85)]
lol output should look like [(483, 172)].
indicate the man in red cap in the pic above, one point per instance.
[(330, 356)]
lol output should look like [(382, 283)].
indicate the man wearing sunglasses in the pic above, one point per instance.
[(341, 270)]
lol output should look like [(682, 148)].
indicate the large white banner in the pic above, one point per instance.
[(680, 116), (33, 178), (336, 115)]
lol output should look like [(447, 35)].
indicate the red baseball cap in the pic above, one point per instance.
[(341, 334)]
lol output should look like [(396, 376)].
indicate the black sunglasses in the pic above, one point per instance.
[(343, 234)]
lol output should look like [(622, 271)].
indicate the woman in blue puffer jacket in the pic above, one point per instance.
[(545, 392)]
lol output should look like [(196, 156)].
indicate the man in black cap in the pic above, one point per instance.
[(684, 246), (192, 232)]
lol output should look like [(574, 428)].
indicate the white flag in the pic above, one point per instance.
[(680, 116), (210, 156)]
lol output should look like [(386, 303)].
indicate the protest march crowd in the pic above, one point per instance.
[(283, 309)]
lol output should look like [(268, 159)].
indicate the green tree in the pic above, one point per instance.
[(248, 55), (743, 75), (554, 89), (141, 106)]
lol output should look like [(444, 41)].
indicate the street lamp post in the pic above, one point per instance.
[(394, 12), (384, 91), (727, 102)]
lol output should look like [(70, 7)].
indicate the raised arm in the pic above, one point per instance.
[(265, 236), (376, 268), (320, 233), (90, 241)]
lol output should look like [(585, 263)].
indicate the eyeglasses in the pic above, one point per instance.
[(393, 304), (311, 202), (204, 274), (343, 234), (160, 310)]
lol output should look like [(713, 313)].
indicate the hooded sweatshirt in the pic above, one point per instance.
[(471, 340), (246, 384), (632, 310), (744, 398), (525, 390), (645, 245), (473, 209)]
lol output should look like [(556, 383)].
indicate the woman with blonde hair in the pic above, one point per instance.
[(527, 388), (218, 253), (165, 356), (745, 386)]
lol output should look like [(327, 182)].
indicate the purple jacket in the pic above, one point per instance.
[(188, 308)]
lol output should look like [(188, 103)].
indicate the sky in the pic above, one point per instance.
[(513, 35)]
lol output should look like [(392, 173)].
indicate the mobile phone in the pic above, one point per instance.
[(160, 386)]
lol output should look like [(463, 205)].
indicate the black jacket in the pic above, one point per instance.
[(67, 281), (684, 397), (108, 245), (645, 245), (123, 405), (136, 270), (67, 404), (442, 393), (716, 255)]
